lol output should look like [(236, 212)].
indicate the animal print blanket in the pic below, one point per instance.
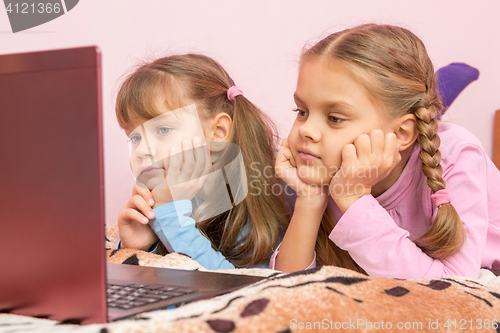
[(322, 299)]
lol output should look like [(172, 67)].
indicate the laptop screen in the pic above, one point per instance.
[(52, 190)]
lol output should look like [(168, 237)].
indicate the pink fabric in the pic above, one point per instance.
[(379, 232), (233, 92), (441, 197), (272, 261)]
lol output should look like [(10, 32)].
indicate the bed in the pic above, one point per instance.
[(324, 298)]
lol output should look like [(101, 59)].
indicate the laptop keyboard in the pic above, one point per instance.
[(130, 296)]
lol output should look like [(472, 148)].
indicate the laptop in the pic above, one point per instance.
[(52, 201)]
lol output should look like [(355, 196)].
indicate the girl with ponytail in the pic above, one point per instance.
[(241, 235), (382, 189)]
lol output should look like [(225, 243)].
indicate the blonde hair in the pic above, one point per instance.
[(396, 69), (184, 79)]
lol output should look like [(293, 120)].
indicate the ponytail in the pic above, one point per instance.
[(265, 206)]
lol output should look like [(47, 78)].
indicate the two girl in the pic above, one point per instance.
[(381, 188), (409, 198)]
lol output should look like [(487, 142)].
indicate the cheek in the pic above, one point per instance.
[(191, 129), (135, 166), (334, 159), (163, 144)]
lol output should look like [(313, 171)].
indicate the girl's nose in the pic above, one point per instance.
[(310, 131), (146, 149)]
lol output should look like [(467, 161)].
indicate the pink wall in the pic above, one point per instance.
[(259, 42)]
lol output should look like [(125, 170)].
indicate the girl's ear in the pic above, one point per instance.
[(219, 129), (406, 131)]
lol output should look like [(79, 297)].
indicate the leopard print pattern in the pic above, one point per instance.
[(331, 298), (322, 299)]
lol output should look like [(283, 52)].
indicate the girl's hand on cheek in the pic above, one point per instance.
[(369, 160), (286, 169), (187, 172), (133, 220)]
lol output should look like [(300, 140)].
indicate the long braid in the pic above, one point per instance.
[(447, 233), (430, 155)]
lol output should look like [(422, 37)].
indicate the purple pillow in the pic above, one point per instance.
[(451, 80)]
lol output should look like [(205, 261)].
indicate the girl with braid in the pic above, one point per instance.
[(244, 234), (381, 187)]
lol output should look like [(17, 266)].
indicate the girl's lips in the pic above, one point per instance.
[(307, 157), (151, 171)]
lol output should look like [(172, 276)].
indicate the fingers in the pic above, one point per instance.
[(375, 151), (144, 193), (285, 155), (188, 163), (195, 162), (138, 210), (138, 203), (284, 143), (174, 165), (349, 155), (362, 146), (376, 144), (133, 215), (208, 160), (391, 148), (203, 163), (370, 144), (291, 158), (185, 171), (280, 156), (377, 138)]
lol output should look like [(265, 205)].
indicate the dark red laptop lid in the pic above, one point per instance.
[(52, 188)]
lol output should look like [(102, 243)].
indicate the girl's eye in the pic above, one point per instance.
[(300, 113), (134, 138), (335, 120), (163, 130)]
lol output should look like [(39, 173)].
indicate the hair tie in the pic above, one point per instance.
[(233, 92), (441, 197)]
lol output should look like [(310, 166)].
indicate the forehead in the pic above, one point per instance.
[(331, 83), (147, 94), (323, 79), (186, 116)]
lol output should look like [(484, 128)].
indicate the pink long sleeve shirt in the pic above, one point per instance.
[(379, 232)]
